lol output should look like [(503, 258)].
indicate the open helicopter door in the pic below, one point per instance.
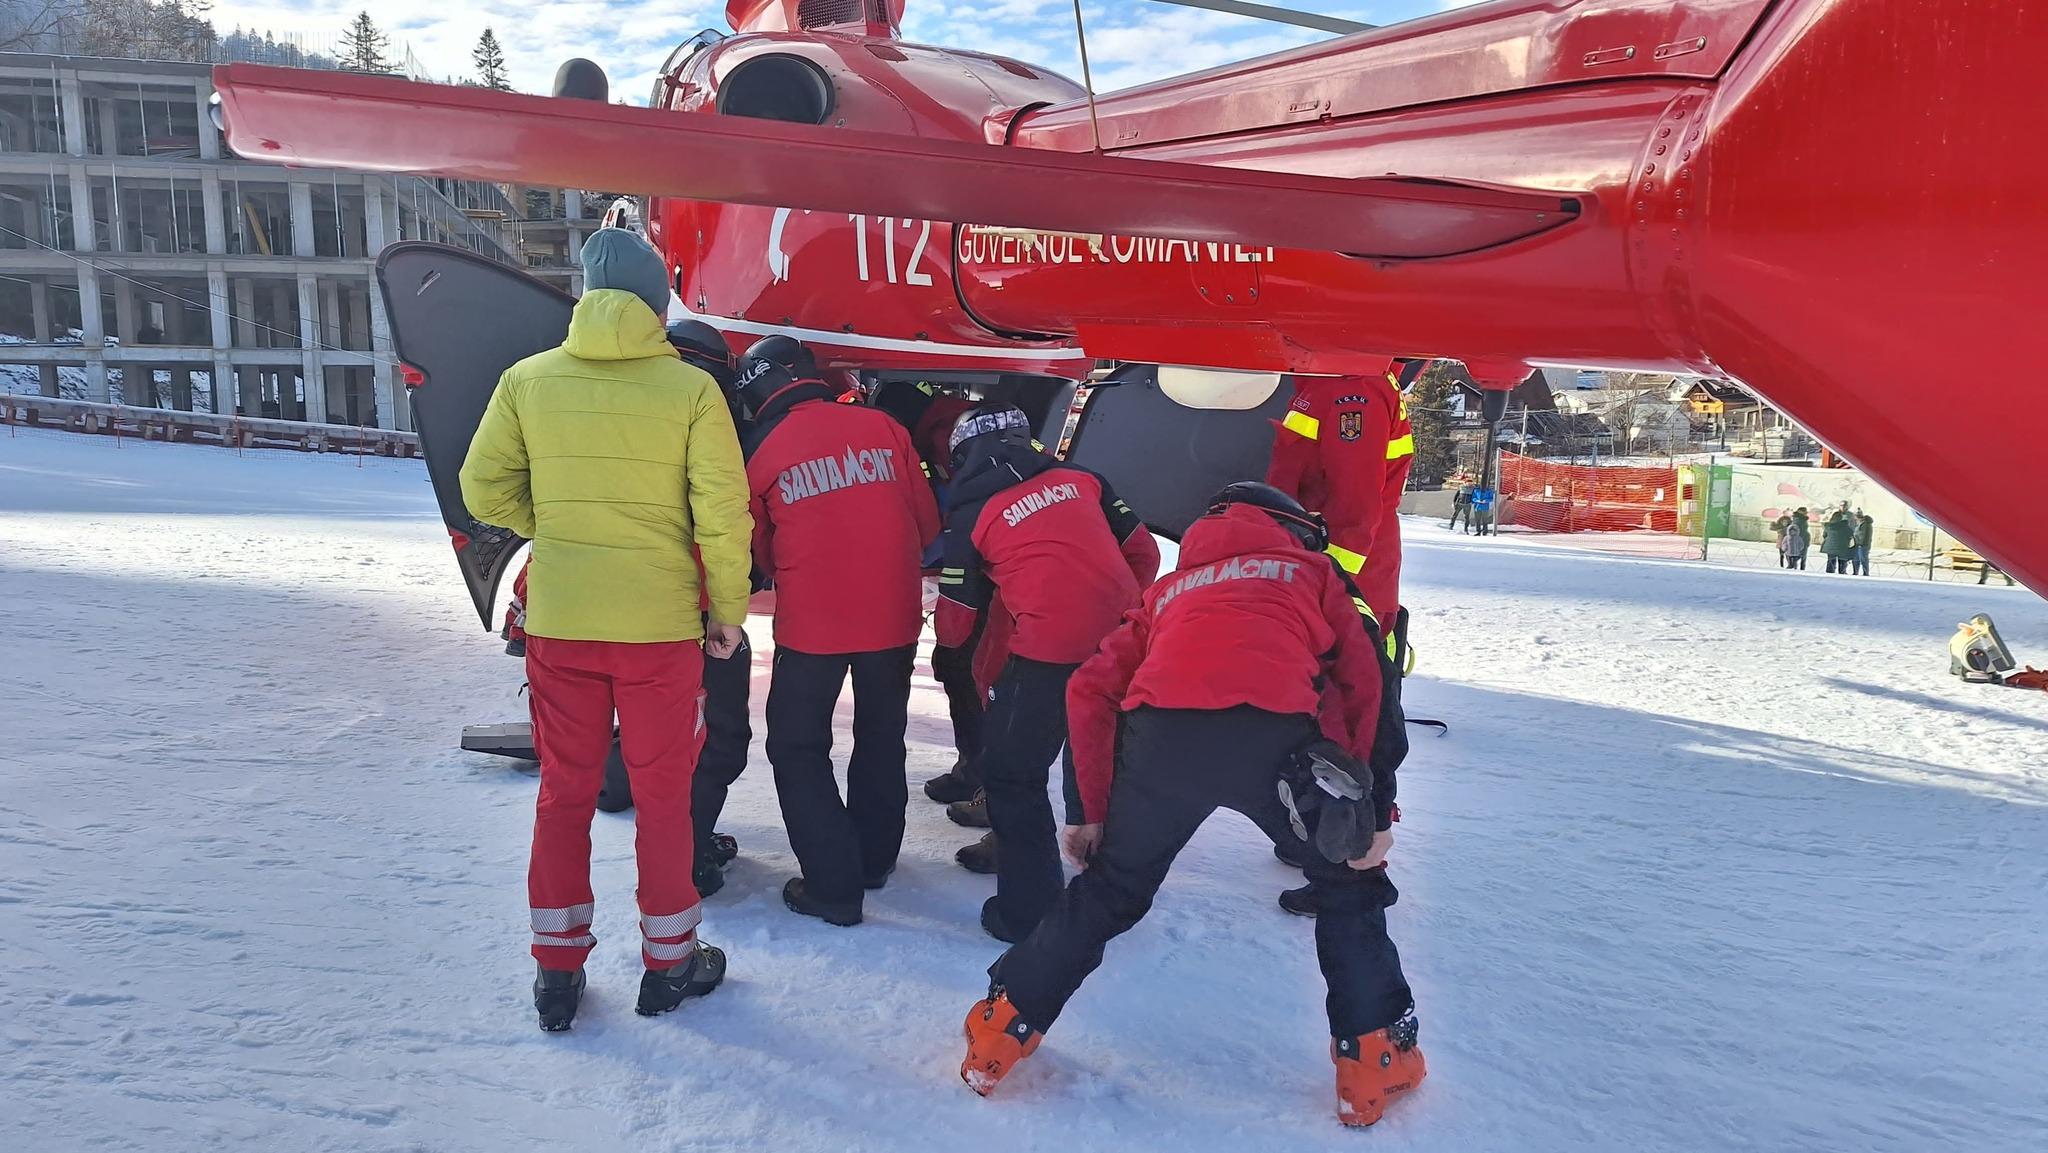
[(459, 320), (1167, 438)]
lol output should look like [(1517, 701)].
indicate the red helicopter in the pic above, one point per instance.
[(1832, 201)]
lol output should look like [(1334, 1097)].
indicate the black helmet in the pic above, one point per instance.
[(788, 352), (704, 347), (699, 342), (1307, 527), (770, 365), (1006, 422)]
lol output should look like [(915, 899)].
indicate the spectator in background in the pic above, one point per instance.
[(1778, 528), (1796, 539), (1861, 543), (1461, 503), (1837, 539)]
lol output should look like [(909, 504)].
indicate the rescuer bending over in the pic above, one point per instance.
[(1245, 680)]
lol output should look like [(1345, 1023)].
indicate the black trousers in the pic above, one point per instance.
[(953, 668), (1174, 768), (1022, 735), (727, 734), (840, 844)]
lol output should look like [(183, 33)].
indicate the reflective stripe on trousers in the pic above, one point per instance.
[(562, 920), (671, 924)]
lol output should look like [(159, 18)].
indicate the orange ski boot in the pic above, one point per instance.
[(1375, 1069), (997, 1038)]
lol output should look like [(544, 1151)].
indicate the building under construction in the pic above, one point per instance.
[(140, 265)]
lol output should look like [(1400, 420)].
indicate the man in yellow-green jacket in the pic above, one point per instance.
[(620, 463)]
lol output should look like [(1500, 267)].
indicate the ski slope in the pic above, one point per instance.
[(1713, 859)]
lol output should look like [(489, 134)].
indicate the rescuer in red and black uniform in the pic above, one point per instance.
[(930, 416), (1344, 450), (842, 516), (1068, 558), (1245, 670)]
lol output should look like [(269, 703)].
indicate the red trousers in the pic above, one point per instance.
[(658, 692)]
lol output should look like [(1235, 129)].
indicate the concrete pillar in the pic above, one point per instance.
[(218, 316), (374, 238), (82, 238), (39, 319), (91, 324), (302, 219), (245, 313), (223, 383), (209, 136), (309, 342), (216, 213), (330, 315), (110, 123), (393, 411), (72, 103), (127, 316), (221, 336)]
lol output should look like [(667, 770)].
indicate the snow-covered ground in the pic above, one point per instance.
[(1713, 859)]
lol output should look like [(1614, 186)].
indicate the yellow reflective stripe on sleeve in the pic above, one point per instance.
[(1347, 560), (1302, 424), (1364, 610), (1401, 446)]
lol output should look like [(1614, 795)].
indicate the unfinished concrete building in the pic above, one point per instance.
[(140, 265)]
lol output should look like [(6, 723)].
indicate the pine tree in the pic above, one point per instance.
[(1429, 409), (363, 46), (490, 63)]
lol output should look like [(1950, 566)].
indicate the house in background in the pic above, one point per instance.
[(1741, 423)]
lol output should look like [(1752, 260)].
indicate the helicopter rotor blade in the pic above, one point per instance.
[(1275, 15)]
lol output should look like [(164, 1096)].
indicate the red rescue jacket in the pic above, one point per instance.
[(1344, 450), (1066, 554), (842, 515), (1249, 618)]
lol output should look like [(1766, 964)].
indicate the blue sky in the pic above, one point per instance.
[(1129, 41)]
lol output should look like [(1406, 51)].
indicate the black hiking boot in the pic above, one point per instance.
[(556, 995), (1301, 902), (972, 812), (877, 880), (723, 846), (979, 857), (800, 900), (952, 785), (707, 876), (664, 989)]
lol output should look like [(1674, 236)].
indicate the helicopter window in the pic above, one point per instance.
[(777, 86), (670, 76)]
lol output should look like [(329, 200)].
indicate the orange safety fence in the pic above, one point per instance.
[(1554, 497)]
